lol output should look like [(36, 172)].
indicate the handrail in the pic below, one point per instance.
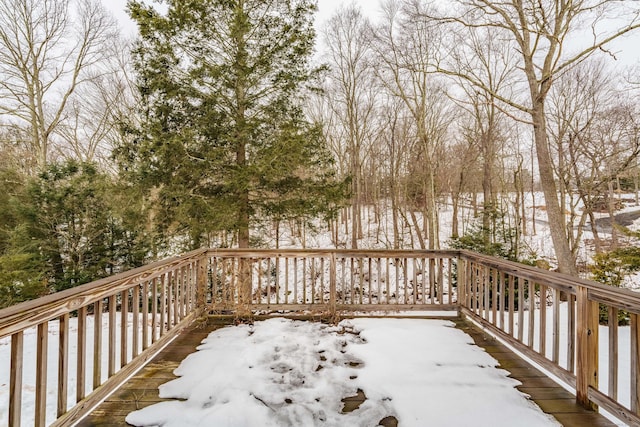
[(501, 296), (30, 313), (550, 317), (134, 314), (558, 280)]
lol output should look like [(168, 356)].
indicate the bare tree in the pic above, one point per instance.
[(574, 103), (98, 109), (46, 47), (406, 44), (351, 91), (483, 55), (606, 149), (540, 32)]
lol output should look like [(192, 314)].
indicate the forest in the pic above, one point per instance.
[(235, 123)]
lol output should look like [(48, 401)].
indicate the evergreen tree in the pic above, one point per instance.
[(70, 216), (21, 266), (222, 140)]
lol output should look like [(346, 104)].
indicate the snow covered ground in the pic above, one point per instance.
[(29, 367), (393, 364), (289, 373)]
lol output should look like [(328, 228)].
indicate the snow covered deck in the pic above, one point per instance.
[(66, 352), (388, 372)]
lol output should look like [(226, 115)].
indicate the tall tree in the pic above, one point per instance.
[(352, 97), (406, 46), (224, 141), (540, 33), (46, 49), (484, 56)]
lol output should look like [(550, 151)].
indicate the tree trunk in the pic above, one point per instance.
[(557, 223), (594, 230), (455, 200), (611, 211), (416, 225)]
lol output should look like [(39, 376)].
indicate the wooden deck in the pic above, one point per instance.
[(142, 389), (547, 394)]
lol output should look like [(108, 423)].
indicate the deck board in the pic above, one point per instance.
[(142, 389), (548, 395)]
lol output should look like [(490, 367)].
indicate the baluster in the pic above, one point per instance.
[(41, 374), (98, 307), (63, 363), (113, 310), (82, 354), (15, 378)]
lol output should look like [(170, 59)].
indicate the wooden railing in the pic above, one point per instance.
[(558, 321), (330, 281), (115, 325), (123, 320)]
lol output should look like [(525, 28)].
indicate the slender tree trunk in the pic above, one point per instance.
[(455, 200), (594, 230), (416, 225), (611, 211), (635, 188), (394, 213), (488, 193), (557, 223)]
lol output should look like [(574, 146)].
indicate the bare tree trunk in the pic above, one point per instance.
[(394, 212), (612, 212), (455, 201), (557, 222), (416, 226), (594, 229)]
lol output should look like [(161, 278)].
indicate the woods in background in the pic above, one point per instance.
[(220, 126)]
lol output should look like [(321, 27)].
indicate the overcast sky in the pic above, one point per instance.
[(627, 49), (325, 9)]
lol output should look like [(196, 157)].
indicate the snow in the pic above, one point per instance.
[(624, 350), (396, 365), (282, 372), (29, 367)]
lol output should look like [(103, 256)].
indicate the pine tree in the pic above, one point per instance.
[(70, 224), (222, 140)]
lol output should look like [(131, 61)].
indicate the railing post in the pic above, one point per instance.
[(635, 363), (201, 285), (586, 347), (332, 286), (15, 381), (462, 282)]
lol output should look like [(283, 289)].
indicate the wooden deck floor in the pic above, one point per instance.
[(548, 395), (142, 390)]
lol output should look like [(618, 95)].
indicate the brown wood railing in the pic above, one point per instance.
[(133, 315), (557, 321), (121, 321), (329, 281)]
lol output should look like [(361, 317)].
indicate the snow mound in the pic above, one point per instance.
[(290, 373)]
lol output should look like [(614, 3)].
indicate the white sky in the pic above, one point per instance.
[(325, 9), (627, 49)]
